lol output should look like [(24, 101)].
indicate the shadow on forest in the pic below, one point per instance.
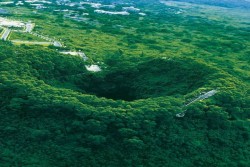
[(154, 78)]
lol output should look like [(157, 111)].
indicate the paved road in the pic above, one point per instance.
[(5, 34)]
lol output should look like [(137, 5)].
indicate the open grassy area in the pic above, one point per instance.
[(24, 37)]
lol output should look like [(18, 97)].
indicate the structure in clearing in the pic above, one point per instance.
[(9, 25)]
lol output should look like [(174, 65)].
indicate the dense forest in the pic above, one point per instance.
[(48, 117), (56, 113)]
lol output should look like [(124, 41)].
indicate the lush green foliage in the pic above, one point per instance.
[(44, 123), (53, 112)]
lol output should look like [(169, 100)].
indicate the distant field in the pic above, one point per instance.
[(233, 16), (19, 42)]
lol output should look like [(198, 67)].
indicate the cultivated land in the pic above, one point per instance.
[(124, 83)]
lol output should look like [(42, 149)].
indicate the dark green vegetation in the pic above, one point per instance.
[(153, 78), (53, 112)]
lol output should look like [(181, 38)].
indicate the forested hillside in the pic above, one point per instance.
[(47, 119), (54, 112)]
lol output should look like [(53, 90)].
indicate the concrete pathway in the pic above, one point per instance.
[(5, 34)]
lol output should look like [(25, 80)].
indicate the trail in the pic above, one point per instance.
[(199, 98)]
